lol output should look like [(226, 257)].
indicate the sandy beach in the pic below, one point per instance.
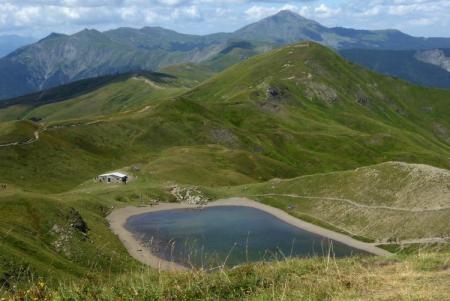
[(118, 218)]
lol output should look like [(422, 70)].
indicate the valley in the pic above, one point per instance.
[(297, 128)]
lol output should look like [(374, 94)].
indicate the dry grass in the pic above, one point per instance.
[(388, 201), (416, 277)]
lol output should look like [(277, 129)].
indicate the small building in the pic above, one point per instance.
[(114, 177)]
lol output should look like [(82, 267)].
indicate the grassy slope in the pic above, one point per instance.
[(229, 128), (14, 108), (30, 245), (317, 106), (194, 73), (16, 131), (93, 97), (123, 96), (389, 185)]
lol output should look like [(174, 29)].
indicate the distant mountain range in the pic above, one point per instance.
[(59, 59), (9, 43), (287, 27), (423, 67)]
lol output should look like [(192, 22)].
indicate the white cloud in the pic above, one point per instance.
[(257, 12), (39, 17), (325, 11), (191, 12)]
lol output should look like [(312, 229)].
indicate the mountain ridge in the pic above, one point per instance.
[(60, 59), (421, 67)]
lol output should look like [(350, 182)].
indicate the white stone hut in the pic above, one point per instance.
[(114, 177)]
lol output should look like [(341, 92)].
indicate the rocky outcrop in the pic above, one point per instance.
[(224, 136), (321, 91), (77, 222), (435, 57), (362, 99), (272, 93), (189, 195), (74, 226)]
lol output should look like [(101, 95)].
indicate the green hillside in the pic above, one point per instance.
[(46, 236), (93, 97), (343, 115), (300, 112), (302, 105), (389, 202)]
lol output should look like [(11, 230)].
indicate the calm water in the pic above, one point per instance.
[(228, 234)]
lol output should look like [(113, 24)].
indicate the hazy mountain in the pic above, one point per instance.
[(60, 59), (9, 43), (288, 27), (424, 67)]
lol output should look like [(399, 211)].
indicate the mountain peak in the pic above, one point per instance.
[(289, 16), (53, 35), (87, 33), (287, 13), (283, 28), (156, 29)]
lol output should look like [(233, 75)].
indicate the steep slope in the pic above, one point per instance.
[(93, 97), (435, 57), (393, 201), (60, 59), (283, 28), (426, 68), (307, 93), (151, 38), (47, 236)]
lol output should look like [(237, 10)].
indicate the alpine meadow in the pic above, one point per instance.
[(285, 115)]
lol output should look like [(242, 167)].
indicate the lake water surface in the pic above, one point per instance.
[(227, 234)]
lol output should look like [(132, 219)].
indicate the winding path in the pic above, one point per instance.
[(353, 203), (25, 142), (44, 129)]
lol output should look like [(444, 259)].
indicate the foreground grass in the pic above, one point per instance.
[(414, 277)]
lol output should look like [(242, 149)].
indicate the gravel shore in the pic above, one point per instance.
[(119, 217)]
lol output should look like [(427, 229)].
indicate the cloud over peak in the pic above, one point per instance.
[(39, 17)]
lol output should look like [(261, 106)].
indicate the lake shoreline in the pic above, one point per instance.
[(118, 218)]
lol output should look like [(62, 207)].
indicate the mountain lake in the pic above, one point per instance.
[(227, 235)]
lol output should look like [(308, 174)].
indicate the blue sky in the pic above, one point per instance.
[(40, 17)]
